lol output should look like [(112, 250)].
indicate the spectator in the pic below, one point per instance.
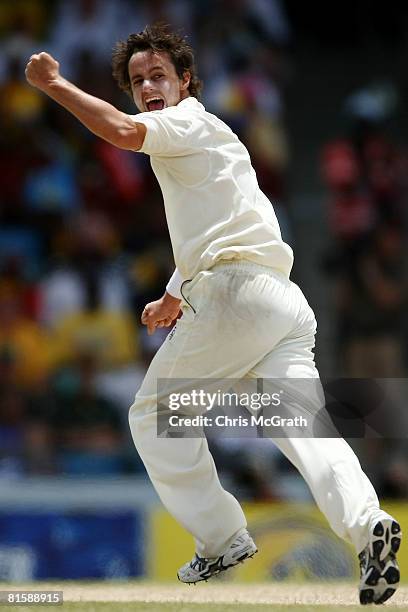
[(110, 336), (89, 428), (372, 307), (23, 340), (84, 250), (90, 26)]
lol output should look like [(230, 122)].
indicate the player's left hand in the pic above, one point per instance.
[(160, 313), (41, 70)]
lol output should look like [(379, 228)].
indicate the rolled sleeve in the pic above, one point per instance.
[(157, 136), (168, 132)]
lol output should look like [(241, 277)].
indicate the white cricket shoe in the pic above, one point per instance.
[(379, 569), (199, 568)]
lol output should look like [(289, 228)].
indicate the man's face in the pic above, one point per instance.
[(154, 80)]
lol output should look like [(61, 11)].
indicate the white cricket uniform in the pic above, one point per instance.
[(242, 318)]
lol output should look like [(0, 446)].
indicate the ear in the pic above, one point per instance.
[(185, 82)]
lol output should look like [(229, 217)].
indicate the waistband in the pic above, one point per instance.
[(247, 266)]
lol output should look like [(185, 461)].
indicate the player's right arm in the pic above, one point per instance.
[(98, 116), (162, 312)]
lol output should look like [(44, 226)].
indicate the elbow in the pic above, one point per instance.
[(129, 139), (121, 138)]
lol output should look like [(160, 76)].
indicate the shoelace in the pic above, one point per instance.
[(201, 562)]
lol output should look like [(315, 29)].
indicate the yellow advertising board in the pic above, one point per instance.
[(294, 541)]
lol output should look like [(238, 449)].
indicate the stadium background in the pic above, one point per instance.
[(318, 95)]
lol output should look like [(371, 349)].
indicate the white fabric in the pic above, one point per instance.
[(214, 207), (243, 320), (174, 285)]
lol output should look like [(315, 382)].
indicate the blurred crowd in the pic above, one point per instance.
[(84, 242), (365, 175), (83, 239), (366, 178)]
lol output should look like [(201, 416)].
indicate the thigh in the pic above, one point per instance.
[(230, 323), (289, 370), (292, 357)]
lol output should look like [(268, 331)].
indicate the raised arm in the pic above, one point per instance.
[(100, 117)]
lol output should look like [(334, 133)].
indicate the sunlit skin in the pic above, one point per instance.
[(154, 75)]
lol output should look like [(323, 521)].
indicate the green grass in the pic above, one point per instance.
[(186, 607), (207, 598)]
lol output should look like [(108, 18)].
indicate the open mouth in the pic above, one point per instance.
[(155, 104)]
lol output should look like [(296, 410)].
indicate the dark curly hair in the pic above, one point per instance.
[(157, 38)]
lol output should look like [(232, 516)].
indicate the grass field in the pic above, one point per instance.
[(216, 597), (166, 607)]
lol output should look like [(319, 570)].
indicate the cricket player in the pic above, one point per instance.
[(242, 315)]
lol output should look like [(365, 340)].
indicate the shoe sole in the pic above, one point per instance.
[(381, 579), (221, 568)]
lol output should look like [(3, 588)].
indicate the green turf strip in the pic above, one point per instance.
[(186, 607)]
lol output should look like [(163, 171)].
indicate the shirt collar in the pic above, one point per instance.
[(191, 102)]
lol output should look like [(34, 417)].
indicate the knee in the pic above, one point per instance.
[(135, 406), (142, 414), (136, 410)]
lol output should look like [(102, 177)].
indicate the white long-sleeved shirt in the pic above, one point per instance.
[(214, 207), (174, 285)]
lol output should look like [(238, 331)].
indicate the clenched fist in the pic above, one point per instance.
[(160, 313), (42, 69)]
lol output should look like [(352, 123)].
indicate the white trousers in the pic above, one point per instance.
[(243, 320)]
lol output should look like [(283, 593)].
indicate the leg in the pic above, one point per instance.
[(341, 489), (224, 338), (331, 469), (182, 470)]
